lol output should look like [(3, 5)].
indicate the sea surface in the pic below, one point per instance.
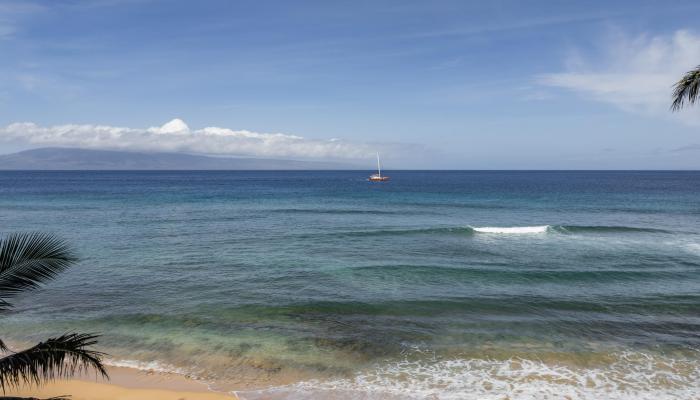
[(434, 285)]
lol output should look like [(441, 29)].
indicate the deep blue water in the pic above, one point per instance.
[(257, 279)]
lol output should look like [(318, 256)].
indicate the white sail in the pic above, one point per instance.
[(378, 176)]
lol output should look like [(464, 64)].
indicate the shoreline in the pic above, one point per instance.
[(627, 376), (126, 384)]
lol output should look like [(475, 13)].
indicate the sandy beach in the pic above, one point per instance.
[(126, 384)]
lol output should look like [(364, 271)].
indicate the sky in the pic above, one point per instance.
[(429, 84)]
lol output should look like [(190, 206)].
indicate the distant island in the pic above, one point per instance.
[(53, 158)]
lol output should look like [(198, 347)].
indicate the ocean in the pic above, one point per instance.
[(434, 285)]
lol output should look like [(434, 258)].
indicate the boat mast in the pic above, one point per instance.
[(379, 166)]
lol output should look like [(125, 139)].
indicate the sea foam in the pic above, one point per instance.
[(512, 229), (155, 366), (634, 376)]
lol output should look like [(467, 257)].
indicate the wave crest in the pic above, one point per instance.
[(565, 229), (512, 229), (504, 230)]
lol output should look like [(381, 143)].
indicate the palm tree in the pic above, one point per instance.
[(686, 90), (26, 261)]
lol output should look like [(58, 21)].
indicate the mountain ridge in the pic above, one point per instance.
[(63, 158)]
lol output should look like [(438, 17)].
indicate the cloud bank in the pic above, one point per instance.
[(176, 136), (633, 74)]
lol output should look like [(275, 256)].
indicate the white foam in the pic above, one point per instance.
[(155, 366), (693, 248), (633, 376), (512, 229)]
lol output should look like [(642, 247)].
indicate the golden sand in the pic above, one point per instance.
[(126, 384)]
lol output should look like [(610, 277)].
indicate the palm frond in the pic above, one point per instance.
[(686, 90), (27, 260), (55, 358)]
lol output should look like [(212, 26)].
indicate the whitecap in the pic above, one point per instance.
[(512, 229)]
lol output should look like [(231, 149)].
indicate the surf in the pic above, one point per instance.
[(630, 376), (564, 229), (498, 230), (512, 229)]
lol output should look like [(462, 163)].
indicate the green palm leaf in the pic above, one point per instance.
[(29, 259), (686, 90), (55, 358)]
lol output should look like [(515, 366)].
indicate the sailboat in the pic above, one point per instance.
[(378, 176)]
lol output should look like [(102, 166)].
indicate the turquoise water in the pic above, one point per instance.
[(298, 285)]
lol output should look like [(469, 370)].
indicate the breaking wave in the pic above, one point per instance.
[(631, 376), (565, 229), (513, 229), (151, 366), (505, 230)]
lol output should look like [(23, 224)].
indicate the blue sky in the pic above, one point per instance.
[(431, 84)]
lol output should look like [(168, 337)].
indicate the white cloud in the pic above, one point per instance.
[(176, 136), (633, 74), (174, 127)]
